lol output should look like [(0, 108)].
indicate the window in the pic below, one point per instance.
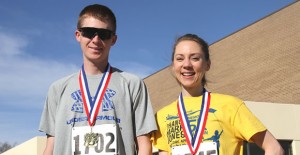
[(253, 149)]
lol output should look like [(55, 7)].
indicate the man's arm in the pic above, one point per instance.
[(161, 152), (144, 145), (268, 143), (49, 145)]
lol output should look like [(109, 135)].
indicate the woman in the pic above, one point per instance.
[(200, 122)]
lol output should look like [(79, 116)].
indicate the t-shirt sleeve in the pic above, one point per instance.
[(246, 123), (47, 122), (143, 111), (159, 140)]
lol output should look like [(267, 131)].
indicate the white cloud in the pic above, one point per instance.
[(11, 45), (135, 68), (24, 82), (24, 76)]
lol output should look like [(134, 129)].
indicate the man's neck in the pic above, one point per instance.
[(93, 68)]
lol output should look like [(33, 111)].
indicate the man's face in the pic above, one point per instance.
[(95, 49)]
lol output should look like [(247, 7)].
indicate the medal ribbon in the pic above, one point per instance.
[(92, 107), (194, 142)]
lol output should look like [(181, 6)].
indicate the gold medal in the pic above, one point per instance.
[(91, 139)]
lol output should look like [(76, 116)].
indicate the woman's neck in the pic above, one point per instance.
[(192, 92)]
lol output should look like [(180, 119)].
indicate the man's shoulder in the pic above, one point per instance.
[(64, 80), (129, 77)]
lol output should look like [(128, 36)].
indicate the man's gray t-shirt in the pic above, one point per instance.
[(126, 103)]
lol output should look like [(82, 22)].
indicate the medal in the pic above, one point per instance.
[(92, 106), (194, 142), (91, 139)]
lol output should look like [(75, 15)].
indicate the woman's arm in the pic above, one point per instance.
[(268, 143), (49, 146)]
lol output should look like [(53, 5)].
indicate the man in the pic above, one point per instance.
[(100, 109)]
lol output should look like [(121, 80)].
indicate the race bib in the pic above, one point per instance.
[(206, 148), (100, 139)]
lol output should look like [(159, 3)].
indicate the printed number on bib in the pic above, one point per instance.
[(206, 148), (100, 139)]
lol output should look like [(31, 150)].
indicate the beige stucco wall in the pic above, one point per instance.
[(282, 120), (34, 146)]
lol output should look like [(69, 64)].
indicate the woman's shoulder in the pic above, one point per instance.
[(168, 108), (224, 99), (224, 96)]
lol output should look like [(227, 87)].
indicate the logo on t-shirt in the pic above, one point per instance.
[(175, 133), (107, 104)]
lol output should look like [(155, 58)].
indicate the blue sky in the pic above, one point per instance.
[(37, 45)]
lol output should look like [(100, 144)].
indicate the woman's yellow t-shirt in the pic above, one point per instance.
[(229, 123)]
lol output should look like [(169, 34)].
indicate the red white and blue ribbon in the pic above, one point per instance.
[(194, 141), (92, 107)]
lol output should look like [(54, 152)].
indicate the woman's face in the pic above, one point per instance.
[(189, 64)]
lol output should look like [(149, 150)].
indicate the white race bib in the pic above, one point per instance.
[(206, 148), (102, 139)]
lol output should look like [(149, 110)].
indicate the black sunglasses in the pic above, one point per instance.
[(91, 32)]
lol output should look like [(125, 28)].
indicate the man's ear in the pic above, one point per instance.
[(77, 35), (114, 39)]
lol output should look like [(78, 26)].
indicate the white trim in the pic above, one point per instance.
[(281, 119)]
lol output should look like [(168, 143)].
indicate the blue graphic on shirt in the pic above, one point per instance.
[(77, 106), (100, 118), (189, 113), (215, 138), (107, 104)]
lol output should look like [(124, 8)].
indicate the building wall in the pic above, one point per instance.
[(281, 119), (34, 146), (260, 62)]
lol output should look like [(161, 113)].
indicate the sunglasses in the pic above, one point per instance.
[(91, 32)]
